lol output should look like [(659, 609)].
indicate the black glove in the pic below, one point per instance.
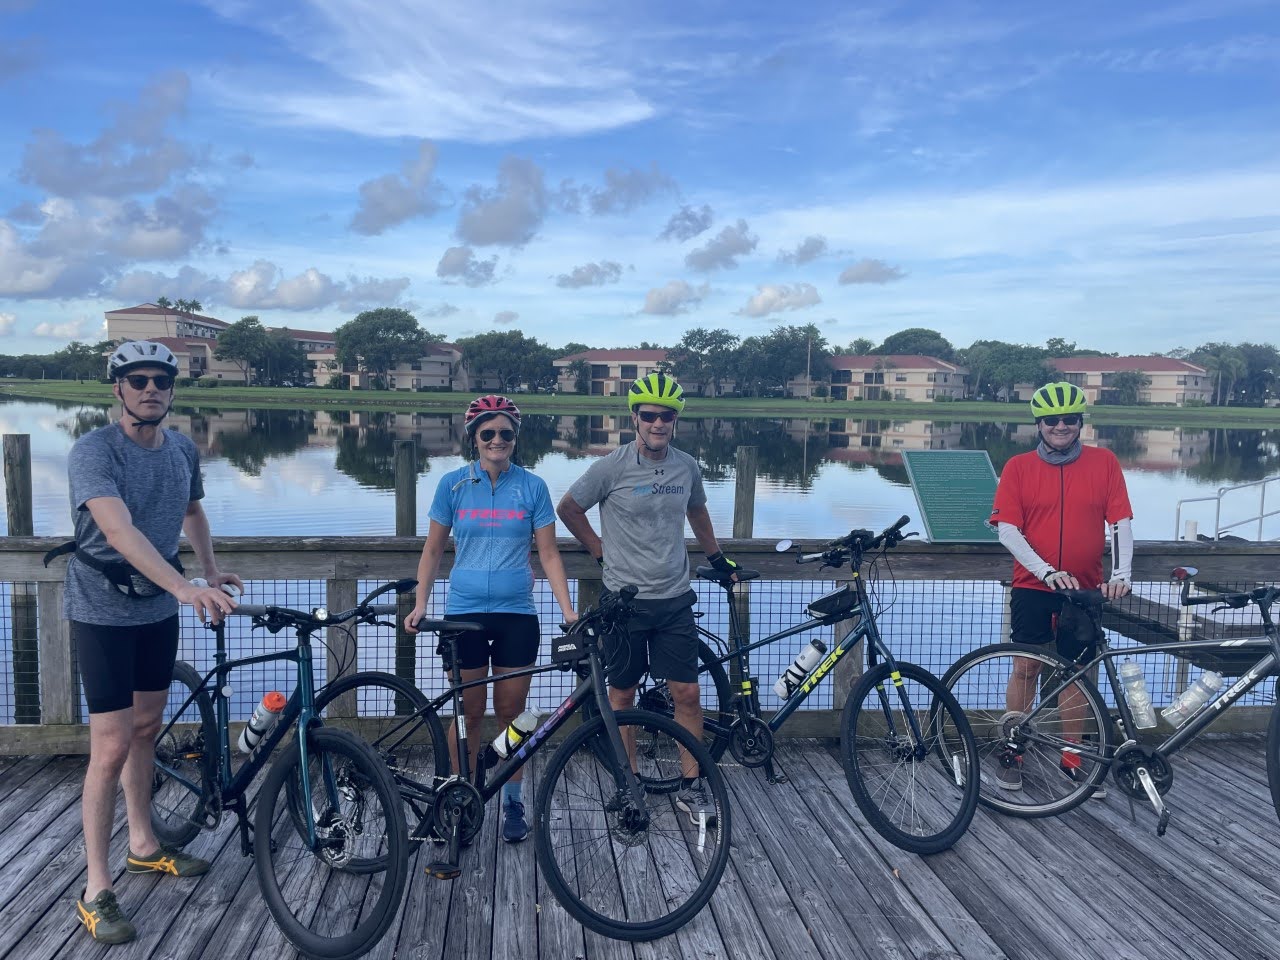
[(722, 564)]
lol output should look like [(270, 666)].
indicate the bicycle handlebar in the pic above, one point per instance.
[(610, 610), (275, 618), (837, 551)]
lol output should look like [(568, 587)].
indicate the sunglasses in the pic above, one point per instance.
[(1071, 420), (649, 416), (139, 382), (506, 435)]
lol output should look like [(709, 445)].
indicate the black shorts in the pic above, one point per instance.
[(1039, 617), (116, 661), (507, 640), (660, 638)]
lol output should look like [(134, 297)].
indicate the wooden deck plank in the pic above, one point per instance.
[(807, 879)]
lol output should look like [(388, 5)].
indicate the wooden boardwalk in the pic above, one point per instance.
[(807, 879)]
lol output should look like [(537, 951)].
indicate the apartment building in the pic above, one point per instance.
[(890, 377), (1173, 382)]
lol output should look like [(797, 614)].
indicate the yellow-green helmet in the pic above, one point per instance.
[(1055, 399), (656, 388)]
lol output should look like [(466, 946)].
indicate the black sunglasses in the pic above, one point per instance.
[(1071, 420), (487, 435), (139, 382), (649, 416)]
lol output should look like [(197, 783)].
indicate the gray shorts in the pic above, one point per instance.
[(660, 638)]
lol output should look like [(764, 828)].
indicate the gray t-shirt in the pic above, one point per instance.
[(642, 513), (156, 487)]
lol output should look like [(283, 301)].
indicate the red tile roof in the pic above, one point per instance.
[(622, 355), (1117, 364), (896, 361), (151, 309)]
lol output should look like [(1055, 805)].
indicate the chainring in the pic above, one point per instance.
[(466, 797), (751, 741), (1125, 770)]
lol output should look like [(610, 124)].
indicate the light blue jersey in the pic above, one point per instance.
[(492, 532)]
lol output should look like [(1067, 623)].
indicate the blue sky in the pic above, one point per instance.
[(587, 172)]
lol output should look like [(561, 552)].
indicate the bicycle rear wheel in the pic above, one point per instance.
[(919, 793), (377, 708), (715, 695), (187, 750), (625, 873), (1057, 741), (322, 906)]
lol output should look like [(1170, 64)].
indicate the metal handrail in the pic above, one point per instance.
[(1218, 526)]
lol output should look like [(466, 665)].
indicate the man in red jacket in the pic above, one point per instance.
[(1054, 509)]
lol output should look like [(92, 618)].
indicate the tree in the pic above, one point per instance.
[(860, 347), (704, 357), (1261, 376), (283, 360), (510, 356), (77, 361), (1225, 365), (580, 370), (765, 364), (1125, 388), (380, 339), (244, 343), (188, 306), (918, 341), (996, 366)]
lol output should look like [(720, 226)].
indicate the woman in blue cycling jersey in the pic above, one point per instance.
[(494, 508)]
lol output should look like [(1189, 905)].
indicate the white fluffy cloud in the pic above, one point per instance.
[(68, 330), (508, 214), (870, 271), (460, 265), (7, 320), (591, 275), (772, 299), (395, 197), (722, 251), (504, 318), (687, 222), (809, 249), (676, 296)]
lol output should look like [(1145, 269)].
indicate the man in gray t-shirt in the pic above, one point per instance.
[(646, 490), (134, 488)]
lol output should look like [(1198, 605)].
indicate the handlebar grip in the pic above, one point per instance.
[(382, 609), (628, 593), (249, 610), (902, 522)]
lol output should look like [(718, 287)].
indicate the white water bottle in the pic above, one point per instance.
[(794, 675), (1135, 691), (263, 718), (514, 734), (1193, 698)]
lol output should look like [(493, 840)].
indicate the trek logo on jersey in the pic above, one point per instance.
[(464, 514), (646, 489)]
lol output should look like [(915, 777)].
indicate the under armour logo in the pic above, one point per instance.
[(659, 473)]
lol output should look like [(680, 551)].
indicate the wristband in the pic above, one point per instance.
[(721, 563)]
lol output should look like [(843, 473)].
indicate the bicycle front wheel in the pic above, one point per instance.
[(917, 785), (185, 763), (626, 873), (322, 906), (1040, 749), (383, 710), (1273, 754)]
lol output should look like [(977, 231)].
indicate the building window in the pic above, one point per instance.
[(842, 376), (899, 394), (1182, 381), (931, 378), (415, 366), (928, 394), (599, 371), (899, 378), (630, 371)]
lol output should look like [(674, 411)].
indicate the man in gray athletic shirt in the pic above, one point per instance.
[(645, 490), (134, 488)]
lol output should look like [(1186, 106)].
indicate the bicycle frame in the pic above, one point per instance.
[(299, 709)]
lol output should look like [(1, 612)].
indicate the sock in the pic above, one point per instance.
[(511, 791)]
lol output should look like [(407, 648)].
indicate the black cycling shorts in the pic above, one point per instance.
[(1039, 617), (659, 638), (507, 640), (116, 661)]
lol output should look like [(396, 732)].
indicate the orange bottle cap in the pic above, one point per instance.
[(274, 701)]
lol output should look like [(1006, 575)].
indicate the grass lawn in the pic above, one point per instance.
[(235, 397)]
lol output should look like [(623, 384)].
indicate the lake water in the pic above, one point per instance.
[(281, 472)]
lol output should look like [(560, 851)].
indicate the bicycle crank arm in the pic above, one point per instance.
[(1144, 777)]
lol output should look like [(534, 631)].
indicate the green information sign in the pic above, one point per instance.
[(955, 490)]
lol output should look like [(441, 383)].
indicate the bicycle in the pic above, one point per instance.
[(328, 841), (616, 848), (918, 804), (1066, 751)]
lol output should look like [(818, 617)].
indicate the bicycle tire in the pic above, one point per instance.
[(919, 796), (178, 813), (621, 881), (415, 753), (1273, 753), (353, 909), (979, 682)]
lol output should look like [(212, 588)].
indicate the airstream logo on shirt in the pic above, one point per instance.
[(491, 514), (645, 489)]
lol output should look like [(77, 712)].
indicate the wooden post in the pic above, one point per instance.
[(59, 682), (744, 518), (26, 645), (406, 470), (340, 655)]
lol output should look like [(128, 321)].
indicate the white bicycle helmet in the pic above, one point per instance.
[(141, 353)]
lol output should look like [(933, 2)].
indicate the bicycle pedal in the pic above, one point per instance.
[(441, 870)]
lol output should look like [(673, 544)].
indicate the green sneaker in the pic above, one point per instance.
[(104, 919), (167, 860)]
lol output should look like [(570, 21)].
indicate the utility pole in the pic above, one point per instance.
[(808, 353)]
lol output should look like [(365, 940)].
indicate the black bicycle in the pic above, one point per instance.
[(1058, 736), (622, 850), (328, 840), (913, 769)]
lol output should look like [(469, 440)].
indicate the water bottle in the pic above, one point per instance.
[(1193, 698), (1135, 691), (514, 735), (794, 675), (264, 717)]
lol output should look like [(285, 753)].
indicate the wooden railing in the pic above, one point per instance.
[(342, 562)]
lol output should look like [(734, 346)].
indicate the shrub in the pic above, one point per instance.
[(185, 381), (207, 383)]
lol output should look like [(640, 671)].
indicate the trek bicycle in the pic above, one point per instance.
[(913, 770), (328, 839), (619, 847), (1061, 737)]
